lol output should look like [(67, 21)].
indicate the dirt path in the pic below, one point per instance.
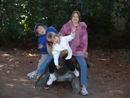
[(109, 76)]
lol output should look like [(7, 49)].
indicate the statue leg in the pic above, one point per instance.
[(69, 76), (41, 81)]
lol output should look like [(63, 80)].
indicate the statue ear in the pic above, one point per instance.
[(64, 53)]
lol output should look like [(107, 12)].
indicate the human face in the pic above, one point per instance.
[(56, 39), (40, 30), (75, 18)]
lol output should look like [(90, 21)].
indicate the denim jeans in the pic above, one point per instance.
[(42, 59), (43, 63), (83, 69)]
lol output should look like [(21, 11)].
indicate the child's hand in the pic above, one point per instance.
[(58, 67), (40, 46), (73, 29)]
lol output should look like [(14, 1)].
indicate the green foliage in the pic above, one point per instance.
[(18, 17)]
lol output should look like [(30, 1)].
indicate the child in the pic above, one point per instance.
[(79, 46), (55, 45), (41, 32)]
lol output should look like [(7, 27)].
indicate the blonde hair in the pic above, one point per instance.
[(49, 38)]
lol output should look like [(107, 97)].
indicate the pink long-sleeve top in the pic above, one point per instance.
[(79, 44)]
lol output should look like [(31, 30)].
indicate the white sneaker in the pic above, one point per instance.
[(76, 72), (32, 74), (51, 79), (84, 91)]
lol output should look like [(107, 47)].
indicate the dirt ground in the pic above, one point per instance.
[(109, 76)]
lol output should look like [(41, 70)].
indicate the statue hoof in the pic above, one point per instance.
[(41, 81)]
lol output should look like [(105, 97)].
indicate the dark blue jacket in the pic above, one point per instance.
[(42, 38)]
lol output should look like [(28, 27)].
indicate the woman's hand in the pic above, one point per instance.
[(58, 67), (73, 29)]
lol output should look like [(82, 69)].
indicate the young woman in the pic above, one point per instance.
[(78, 45), (55, 45)]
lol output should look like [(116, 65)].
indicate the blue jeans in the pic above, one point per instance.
[(83, 69), (41, 69)]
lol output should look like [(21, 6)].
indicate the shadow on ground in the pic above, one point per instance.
[(109, 76)]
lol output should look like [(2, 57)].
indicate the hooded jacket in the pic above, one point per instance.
[(79, 44), (42, 38)]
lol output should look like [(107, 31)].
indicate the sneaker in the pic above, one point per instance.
[(32, 74), (51, 79), (84, 91), (76, 72)]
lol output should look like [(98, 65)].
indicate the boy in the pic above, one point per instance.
[(41, 32)]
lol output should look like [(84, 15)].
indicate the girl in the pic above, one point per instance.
[(55, 45), (78, 45)]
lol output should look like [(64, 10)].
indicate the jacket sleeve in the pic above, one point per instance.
[(62, 31), (51, 29), (84, 39), (42, 41), (43, 48), (70, 37)]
